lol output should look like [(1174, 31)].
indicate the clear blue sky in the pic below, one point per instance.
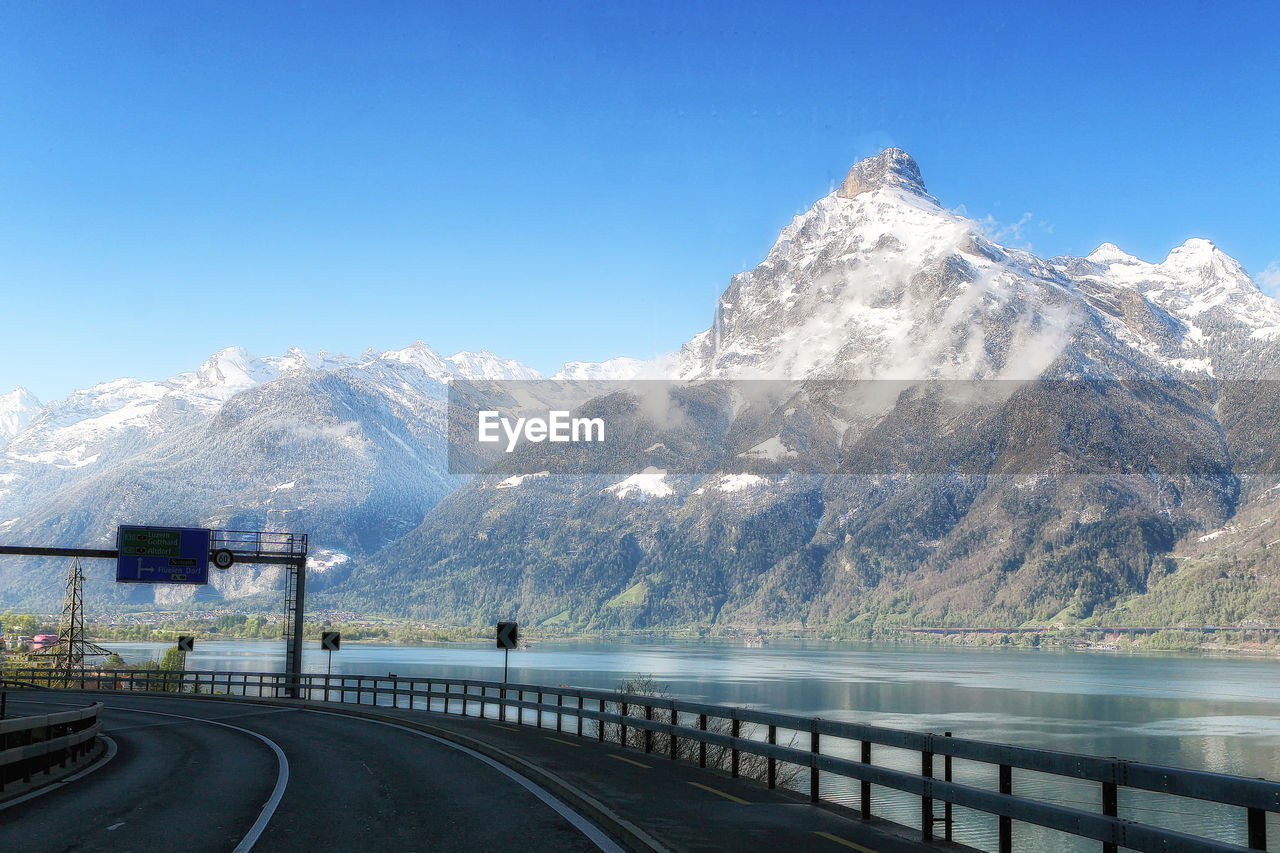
[(559, 181)]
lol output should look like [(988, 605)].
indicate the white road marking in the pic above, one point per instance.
[(115, 826), (268, 808), (586, 827), (282, 776), (162, 724)]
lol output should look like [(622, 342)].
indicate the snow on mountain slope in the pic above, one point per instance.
[(128, 428), (232, 370), (1196, 278), (1204, 314), (467, 365), (99, 424), (17, 408), (620, 368), (85, 424), (486, 365)]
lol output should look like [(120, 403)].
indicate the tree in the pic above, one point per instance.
[(19, 623), (174, 660)]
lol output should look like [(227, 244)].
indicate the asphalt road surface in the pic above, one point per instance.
[(191, 775)]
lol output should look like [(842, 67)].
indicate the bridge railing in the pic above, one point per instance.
[(33, 744), (801, 753)]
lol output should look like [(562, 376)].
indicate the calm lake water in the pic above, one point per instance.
[(1206, 712)]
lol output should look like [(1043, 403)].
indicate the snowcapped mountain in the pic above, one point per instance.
[(486, 365), (879, 281), (620, 368), (98, 426), (1196, 280), (95, 426), (350, 450), (1224, 326), (1042, 499), (876, 281)]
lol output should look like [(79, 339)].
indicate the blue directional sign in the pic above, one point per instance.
[(162, 554)]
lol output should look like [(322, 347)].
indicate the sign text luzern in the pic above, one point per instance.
[(162, 554)]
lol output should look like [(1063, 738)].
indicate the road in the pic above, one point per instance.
[(195, 775)]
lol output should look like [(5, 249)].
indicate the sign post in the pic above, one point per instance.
[(330, 641), (185, 644), (508, 639)]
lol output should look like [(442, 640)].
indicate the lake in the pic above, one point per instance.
[(1217, 713)]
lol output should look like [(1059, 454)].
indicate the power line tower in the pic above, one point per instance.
[(69, 652)]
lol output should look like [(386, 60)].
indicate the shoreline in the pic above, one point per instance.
[(764, 640)]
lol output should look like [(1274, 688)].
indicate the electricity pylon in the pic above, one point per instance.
[(69, 652)]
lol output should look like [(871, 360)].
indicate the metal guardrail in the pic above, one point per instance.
[(746, 741), (34, 744)]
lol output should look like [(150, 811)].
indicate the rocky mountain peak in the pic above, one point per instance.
[(228, 362), (19, 398), (1199, 265), (17, 408), (892, 167), (1110, 253)]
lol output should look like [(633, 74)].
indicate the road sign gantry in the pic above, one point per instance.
[(179, 554)]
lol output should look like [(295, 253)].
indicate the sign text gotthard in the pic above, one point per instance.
[(557, 427)]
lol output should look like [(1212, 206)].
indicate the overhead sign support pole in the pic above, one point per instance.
[(295, 605), (231, 547)]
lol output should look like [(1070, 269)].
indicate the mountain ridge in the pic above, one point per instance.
[(875, 281)]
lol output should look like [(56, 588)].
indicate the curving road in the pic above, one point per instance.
[(195, 775)]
